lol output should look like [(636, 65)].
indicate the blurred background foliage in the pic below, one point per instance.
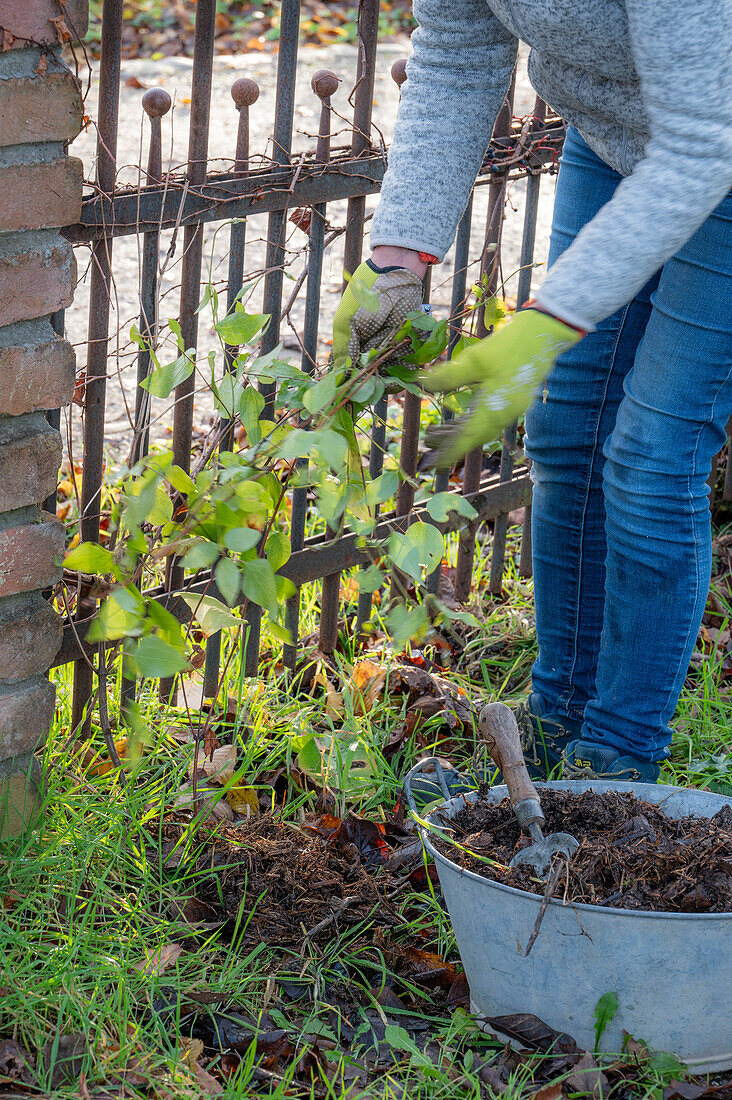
[(165, 27)]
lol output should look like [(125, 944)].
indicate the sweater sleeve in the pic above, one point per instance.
[(682, 54), (457, 78)]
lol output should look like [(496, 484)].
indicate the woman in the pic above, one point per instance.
[(637, 308)]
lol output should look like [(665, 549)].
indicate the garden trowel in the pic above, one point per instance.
[(501, 735)]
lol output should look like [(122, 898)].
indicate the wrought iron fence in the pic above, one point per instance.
[(181, 204)]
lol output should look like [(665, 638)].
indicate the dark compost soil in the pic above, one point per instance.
[(297, 881), (631, 855)]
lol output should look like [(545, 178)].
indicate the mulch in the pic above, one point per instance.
[(631, 855), (300, 881)]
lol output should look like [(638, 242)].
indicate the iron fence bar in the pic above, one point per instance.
[(324, 84), (409, 455), (98, 334), (272, 298), (490, 265), (368, 31), (457, 306), (508, 450), (380, 413), (190, 288), (376, 466), (245, 93), (155, 103), (318, 559)]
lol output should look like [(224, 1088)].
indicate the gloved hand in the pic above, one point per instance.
[(356, 329), (509, 366)]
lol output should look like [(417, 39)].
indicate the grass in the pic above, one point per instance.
[(86, 905)]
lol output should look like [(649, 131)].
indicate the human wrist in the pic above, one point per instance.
[(388, 255)]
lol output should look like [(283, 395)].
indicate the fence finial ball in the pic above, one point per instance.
[(399, 71), (156, 102), (325, 83), (245, 92)]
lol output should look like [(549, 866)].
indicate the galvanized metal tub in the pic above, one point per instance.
[(672, 972)]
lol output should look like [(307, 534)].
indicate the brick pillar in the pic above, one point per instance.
[(40, 191)]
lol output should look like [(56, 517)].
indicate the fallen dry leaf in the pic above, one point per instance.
[(64, 1059), (243, 800), (15, 1062), (160, 959), (587, 1078), (219, 768), (549, 1092), (368, 680), (192, 1051)]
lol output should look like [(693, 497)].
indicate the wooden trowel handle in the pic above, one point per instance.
[(501, 735)]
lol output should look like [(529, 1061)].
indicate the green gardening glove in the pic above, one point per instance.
[(509, 367), (357, 329)]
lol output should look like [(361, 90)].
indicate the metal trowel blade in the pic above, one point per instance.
[(539, 855)]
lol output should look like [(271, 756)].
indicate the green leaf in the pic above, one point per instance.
[(331, 447), (382, 487), (440, 505), (251, 404), (200, 555), (431, 348), (228, 580), (666, 1065), (241, 539), (278, 549), (177, 331), (417, 551), (285, 589), (163, 380), (462, 616), (169, 628), (118, 617), (89, 557), (297, 444), (211, 614), (371, 579), (400, 1039), (604, 1013), (162, 510), (154, 658), (258, 584), (241, 327), (321, 394), (281, 633), (226, 396), (406, 624), (180, 480)]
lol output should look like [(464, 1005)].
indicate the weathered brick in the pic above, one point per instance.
[(29, 552), (37, 368), (26, 713), (37, 275), (46, 195), (21, 783), (40, 108), (30, 455), (26, 21), (30, 637)]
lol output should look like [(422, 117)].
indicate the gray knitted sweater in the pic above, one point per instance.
[(648, 83)]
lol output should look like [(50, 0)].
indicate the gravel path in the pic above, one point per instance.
[(174, 74)]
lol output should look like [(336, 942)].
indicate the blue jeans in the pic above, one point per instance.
[(621, 451)]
